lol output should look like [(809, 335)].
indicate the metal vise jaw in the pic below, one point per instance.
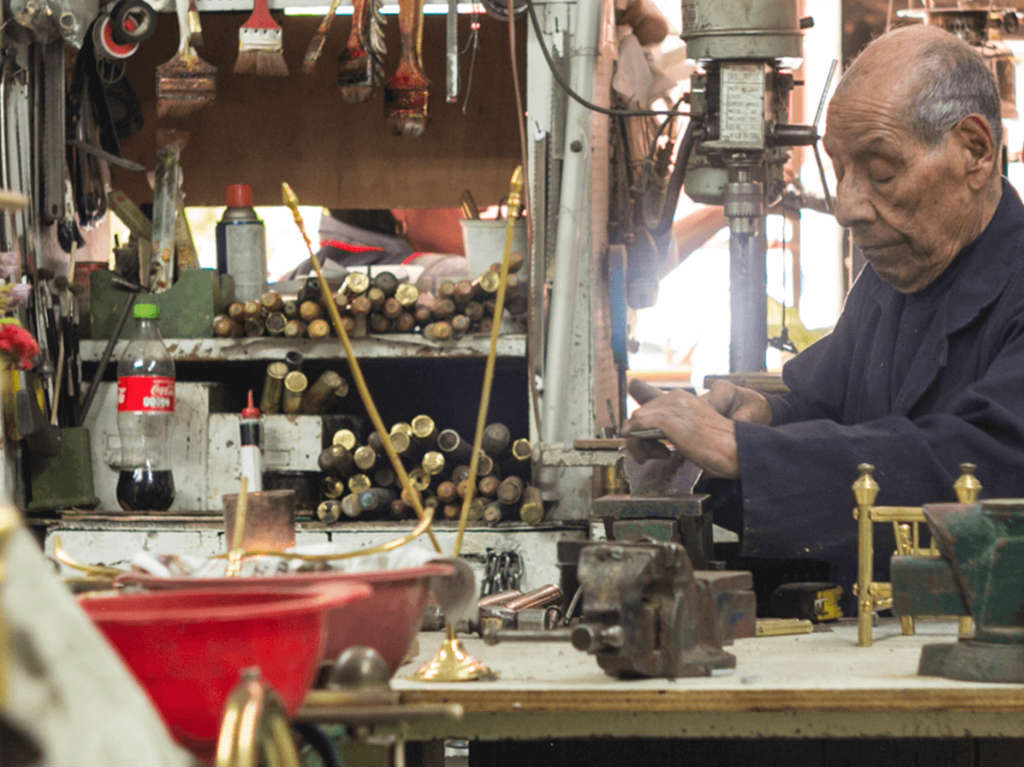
[(647, 614), (980, 573)]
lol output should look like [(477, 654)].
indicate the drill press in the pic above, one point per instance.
[(737, 141)]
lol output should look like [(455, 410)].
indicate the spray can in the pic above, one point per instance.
[(242, 244), (250, 457)]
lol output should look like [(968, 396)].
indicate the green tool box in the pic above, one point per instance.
[(186, 310)]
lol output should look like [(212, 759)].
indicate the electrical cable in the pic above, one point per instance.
[(575, 96), (531, 351)]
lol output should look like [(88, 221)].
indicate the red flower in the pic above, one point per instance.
[(18, 344)]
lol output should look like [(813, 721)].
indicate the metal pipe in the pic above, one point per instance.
[(573, 236), (748, 300)]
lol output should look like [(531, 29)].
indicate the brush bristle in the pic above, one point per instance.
[(356, 94), (262, 63), (184, 85), (408, 110)]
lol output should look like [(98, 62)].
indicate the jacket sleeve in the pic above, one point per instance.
[(796, 476)]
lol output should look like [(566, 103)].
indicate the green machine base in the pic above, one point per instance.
[(971, 661), (65, 481), (187, 309)]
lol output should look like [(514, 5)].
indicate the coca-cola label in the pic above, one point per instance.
[(146, 394)]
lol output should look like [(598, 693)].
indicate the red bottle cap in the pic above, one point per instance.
[(249, 411), (239, 196)]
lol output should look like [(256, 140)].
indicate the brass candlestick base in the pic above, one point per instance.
[(452, 664)]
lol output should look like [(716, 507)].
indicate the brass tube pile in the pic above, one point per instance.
[(441, 310), (288, 390), (358, 483)]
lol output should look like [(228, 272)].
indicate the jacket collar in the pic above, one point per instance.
[(972, 282)]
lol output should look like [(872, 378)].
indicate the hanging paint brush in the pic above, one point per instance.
[(195, 27), (260, 47), (361, 65), (407, 94), (316, 45), (186, 82)]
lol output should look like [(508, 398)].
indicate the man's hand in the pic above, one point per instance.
[(693, 424), (739, 403)]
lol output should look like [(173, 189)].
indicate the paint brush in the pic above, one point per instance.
[(407, 94), (361, 64), (260, 48), (316, 44), (185, 83)]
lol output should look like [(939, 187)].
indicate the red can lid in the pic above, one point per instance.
[(249, 411), (239, 196)]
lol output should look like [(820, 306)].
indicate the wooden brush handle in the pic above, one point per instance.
[(185, 34), (410, 29), (260, 17), (356, 46)]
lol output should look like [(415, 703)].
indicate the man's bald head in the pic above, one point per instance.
[(934, 76), (913, 132)]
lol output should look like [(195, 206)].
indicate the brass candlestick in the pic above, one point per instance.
[(452, 663)]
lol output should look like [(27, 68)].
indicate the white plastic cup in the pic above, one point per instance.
[(484, 241)]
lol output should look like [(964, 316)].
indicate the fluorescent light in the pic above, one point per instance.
[(390, 9)]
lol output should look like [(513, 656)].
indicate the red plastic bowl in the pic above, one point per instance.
[(388, 622), (187, 647)]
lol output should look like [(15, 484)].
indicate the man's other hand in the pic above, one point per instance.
[(691, 423)]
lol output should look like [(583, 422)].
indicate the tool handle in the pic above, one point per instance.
[(184, 33), (260, 17)]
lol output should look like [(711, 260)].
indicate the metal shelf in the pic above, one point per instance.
[(391, 346)]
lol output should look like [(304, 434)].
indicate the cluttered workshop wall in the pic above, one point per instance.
[(262, 130)]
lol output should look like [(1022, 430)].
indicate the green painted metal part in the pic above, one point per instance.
[(65, 481), (925, 586), (187, 309), (982, 547)]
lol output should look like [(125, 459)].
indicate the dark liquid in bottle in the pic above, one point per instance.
[(143, 489)]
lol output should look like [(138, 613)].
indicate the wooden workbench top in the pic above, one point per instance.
[(554, 689)]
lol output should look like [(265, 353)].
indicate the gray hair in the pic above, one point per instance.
[(953, 81)]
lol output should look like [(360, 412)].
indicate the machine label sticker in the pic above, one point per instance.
[(146, 394)]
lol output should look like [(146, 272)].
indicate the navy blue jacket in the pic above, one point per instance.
[(914, 384)]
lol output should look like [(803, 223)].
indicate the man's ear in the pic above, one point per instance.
[(974, 136)]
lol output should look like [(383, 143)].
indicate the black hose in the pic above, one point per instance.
[(675, 183)]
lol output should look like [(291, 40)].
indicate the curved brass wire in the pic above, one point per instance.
[(514, 198), (292, 201), (64, 558)]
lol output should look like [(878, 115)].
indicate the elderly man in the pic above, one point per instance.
[(925, 367)]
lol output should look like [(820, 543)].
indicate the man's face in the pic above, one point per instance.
[(906, 204)]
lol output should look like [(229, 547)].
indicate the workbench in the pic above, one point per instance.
[(810, 686)]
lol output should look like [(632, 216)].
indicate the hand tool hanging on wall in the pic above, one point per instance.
[(91, 134), (407, 93), (51, 126), (165, 212), (361, 64), (260, 46), (185, 83), (316, 43), (451, 53)]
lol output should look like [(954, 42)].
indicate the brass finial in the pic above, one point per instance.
[(967, 486), (865, 489)]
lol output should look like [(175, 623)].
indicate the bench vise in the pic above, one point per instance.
[(980, 573), (648, 613)]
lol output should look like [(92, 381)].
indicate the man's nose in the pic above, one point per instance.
[(853, 201)]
